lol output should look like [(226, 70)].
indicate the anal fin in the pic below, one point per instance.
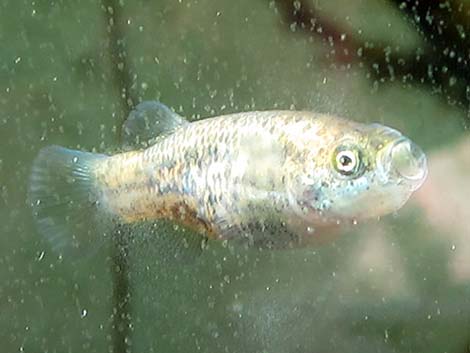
[(164, 240)]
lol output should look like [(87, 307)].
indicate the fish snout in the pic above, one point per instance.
[(408, 161)]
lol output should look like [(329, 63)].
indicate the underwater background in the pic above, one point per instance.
[(71, 71)]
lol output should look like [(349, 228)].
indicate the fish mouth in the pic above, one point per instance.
[(402, 161)]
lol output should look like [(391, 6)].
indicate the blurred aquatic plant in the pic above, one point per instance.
[(122, 291), (439, 62)]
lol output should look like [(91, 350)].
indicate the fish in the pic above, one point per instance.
[(269, 179)]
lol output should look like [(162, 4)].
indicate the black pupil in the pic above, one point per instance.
[(345, 160)]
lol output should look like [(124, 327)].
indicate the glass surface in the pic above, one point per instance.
[(70, 72)]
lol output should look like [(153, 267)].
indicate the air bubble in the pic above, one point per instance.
[(84, 313)]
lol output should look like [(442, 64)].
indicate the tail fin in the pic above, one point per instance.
[(66, 200)]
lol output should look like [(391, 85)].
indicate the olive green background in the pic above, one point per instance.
[(203, 58)]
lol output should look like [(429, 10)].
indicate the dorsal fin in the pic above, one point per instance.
[(148, 121)]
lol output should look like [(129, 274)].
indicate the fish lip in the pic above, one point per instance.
[(403, 162)]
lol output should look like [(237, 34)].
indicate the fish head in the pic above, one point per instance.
[(368, 171)]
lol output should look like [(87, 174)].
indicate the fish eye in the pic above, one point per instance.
[(347, 161)]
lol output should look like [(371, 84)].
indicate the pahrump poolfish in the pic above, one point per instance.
[(272, 178)]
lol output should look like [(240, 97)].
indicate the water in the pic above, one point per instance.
[(398, 284)]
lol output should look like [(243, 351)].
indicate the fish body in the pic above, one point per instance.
[(270, 177)]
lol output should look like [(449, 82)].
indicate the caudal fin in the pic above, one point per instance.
[(66, 200)]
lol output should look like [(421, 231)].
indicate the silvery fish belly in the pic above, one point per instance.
[(268, 178)]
